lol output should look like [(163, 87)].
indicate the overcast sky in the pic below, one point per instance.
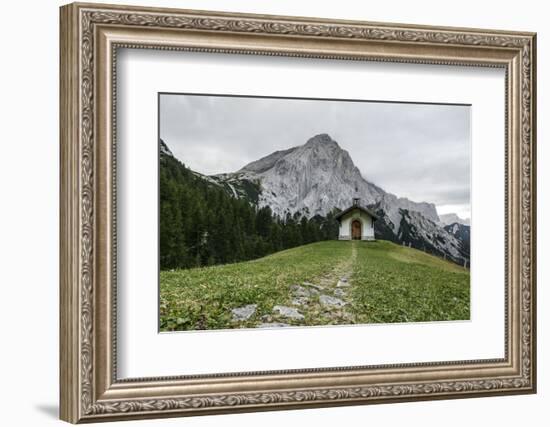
[(417, 151)]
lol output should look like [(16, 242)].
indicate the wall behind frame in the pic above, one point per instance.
[(29, 174)]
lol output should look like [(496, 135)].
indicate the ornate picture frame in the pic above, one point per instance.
[(90, 37)]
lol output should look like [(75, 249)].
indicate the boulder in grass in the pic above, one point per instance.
[(244, 313), (288, 312), (329, 301)]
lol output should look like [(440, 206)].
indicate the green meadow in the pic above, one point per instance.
[(323, 283)]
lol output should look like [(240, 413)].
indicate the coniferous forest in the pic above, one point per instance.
[(202, 225)]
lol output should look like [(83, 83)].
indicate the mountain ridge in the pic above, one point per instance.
[(316, 177), (451, 218), (319, 177)]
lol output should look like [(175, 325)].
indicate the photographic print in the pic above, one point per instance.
[(292, 212)]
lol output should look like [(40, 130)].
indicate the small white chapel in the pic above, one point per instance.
[(356, 222)]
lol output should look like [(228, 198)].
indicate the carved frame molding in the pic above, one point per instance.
[(90, 35)]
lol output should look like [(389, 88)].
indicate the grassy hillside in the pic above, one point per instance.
[(331, 282)]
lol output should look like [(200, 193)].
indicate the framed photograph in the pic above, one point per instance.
[(266, 212)]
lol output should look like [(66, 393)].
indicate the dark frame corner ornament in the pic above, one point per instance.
[(90, 36)]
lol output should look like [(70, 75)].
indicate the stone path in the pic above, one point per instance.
[(323, 300), (332, 303)]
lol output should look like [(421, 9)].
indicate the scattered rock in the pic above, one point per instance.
[(348, 317), (329, 301), (266, 318), (300, 301), (342, 283), (244, 312), (300, 291), (339, 292), (312, 285), (288, 312), (272, 325), (339, 317)]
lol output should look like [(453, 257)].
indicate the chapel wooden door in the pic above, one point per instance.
[(356, 230)]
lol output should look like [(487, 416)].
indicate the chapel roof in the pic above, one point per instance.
[(361, 208)]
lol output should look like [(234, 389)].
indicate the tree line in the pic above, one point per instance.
[(201, 224)]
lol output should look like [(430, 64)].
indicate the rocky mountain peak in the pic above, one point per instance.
[(323, 153), (323, 139), (317, 177)]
